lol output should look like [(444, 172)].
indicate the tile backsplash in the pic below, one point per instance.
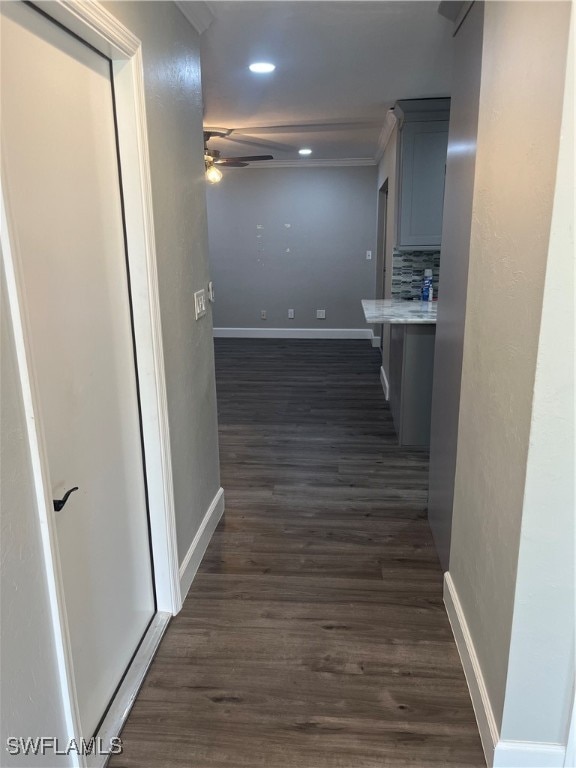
[(408, 271)]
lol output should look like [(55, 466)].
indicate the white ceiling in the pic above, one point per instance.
[(339, 67)]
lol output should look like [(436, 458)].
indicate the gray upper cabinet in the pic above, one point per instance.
[(423, 147)]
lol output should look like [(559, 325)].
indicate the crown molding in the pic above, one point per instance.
[(199, 14), (390, 122), (328, 163)]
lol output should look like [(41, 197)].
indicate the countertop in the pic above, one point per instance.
[(399, 311)]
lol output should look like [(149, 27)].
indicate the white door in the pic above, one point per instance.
[(61, 183)]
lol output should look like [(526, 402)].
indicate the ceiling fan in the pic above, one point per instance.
[(212, 157)]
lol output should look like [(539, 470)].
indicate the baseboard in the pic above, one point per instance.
[(385, 384), (480, 701), (194, 556), (526, 754), (293, 333), (570, 759), (125, 696), (499, 753)]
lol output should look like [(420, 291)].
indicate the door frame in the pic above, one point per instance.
[(90, 22), (382, 240)]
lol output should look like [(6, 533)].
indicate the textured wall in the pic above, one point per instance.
[(523, 69), (539, 690), (174, 114), (458, 196), (332, 218)]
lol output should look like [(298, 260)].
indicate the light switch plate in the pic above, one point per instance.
[(200, 303), (368, 255), (321, 314), (290, 314)]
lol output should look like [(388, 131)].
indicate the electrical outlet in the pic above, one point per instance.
[(200, 303), (321, 314), (368, 255), (290, 314), (211, 291), (263, 314)]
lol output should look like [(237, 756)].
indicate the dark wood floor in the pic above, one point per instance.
[(314, 635)]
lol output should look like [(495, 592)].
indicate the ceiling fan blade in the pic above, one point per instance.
[(252, 141), (225, 163), (219, 133), (322, 126), (249, 158)]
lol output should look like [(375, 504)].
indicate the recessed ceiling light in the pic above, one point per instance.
[(262, 67), (304, 151)]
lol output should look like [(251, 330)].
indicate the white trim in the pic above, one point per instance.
[(389, 124), (134, 154), (526, 754), (384, 382), (375, 340), (293, 333), (194, 556), (198, 14), (313, 163), (570, 759), (480, 701), (93, 23), (498, 753), (128, 690)]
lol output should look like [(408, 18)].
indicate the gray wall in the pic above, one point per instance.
[(521, 96), (459, 190), (31, 703), (174, 114), (332, 217)]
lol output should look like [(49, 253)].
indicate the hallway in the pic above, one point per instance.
[(314, 634)]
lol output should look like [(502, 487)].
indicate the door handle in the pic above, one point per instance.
[(59, 503)]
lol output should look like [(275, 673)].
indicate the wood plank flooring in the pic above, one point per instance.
[(314, 635)]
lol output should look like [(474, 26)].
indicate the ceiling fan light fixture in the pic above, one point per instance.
[(213, 174), (262, 67), (305, 151)]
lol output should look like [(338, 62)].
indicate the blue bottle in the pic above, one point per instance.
[(427, 292)]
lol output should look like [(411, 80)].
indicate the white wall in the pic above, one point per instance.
[(332, 216), (459, 191), (540, 685), (522, 86)]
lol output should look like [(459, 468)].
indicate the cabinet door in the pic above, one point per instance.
[(423, 158), (396, 374)]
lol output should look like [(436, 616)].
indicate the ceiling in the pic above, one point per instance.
[(340, 66)]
